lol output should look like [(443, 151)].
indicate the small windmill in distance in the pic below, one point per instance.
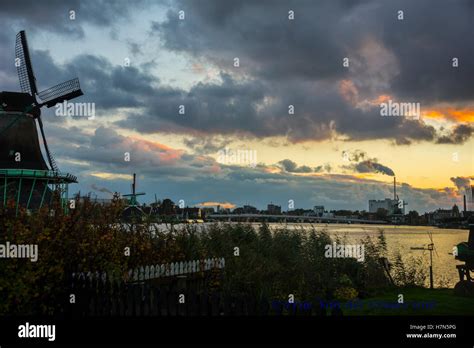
[(133, 212), (430, 247)]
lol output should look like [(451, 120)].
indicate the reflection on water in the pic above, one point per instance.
[(402, 238)]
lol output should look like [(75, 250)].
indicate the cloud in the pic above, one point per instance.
[(225, 205), (206, 145), (459, 135), (327, 97), (354, 156), (283, 63), (106, 151), (54, 16), (291, 167), (321, 168), (330, 101), (177, 174), (462, 183)]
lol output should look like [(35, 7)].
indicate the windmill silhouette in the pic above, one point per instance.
[(25, 177), (133, 212), (430, 247)]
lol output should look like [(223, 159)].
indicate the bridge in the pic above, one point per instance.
[(285, 218)]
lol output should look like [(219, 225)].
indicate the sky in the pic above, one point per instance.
[(254, 102)]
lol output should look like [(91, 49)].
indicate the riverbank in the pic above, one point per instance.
[(416, 301)]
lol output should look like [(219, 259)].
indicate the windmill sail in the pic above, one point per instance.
[(64, 91), (51, 160), (23, 64)]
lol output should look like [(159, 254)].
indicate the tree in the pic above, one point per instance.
[(168, 207), (413, 217)]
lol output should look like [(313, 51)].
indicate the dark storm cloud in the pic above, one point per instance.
[(323, 32), (459, 135), (208, 108), (432, 34), (260, 34), (108, 86), (282, 63), (254, 108), (54, 15), (300, 62)]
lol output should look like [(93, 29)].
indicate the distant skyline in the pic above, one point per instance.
[(138, 61)]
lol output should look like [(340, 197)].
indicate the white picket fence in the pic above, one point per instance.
[(175, 268), (162, 270)]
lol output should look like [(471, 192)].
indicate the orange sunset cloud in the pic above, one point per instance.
[(451, 114)]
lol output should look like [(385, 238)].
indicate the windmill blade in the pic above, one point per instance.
[(430, 234), (51, 160), (64, 91), (23, 64), (436, 252)]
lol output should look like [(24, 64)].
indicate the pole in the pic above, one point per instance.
[(31, 193), (394, 188), (431, 267), (5, 192), (430, 248), (44, 193), (18, 197)]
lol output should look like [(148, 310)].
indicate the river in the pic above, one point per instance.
[(402, 238), (399, 238)]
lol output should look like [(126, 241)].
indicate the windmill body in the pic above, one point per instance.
[(133, 213), (27, 178), (19, 134)]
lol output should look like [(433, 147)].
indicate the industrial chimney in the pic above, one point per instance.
[(464, 198), (394, 188)]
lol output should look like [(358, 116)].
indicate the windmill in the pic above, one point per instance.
[(133, 213), (430, 247), (24, 174)]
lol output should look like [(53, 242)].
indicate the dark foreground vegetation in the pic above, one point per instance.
[(261, 264)]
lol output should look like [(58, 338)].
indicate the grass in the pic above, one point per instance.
[(433, 301)]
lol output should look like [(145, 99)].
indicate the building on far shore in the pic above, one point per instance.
[(273, 209), (189, 213), (319, 210), (444, 215), (392, 206)]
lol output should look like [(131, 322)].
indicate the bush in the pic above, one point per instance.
[(263, 263)]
